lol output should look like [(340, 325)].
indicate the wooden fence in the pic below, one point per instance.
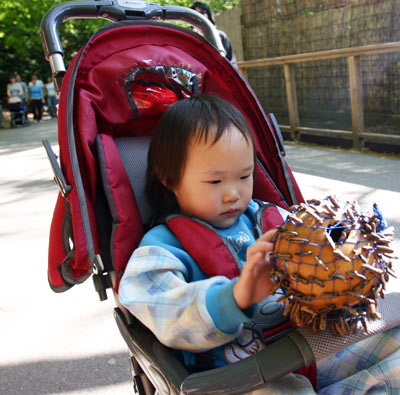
[(358, 133)]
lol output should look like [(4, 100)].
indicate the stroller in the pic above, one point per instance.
[(112, 96), (18, 115)]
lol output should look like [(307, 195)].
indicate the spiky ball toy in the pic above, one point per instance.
[(333, 261)]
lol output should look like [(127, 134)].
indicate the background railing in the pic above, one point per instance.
[(358, 133)]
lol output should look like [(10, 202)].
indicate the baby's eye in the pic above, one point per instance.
[(214, 181), (246, 176)]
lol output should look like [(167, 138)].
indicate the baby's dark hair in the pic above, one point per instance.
[(197, 118)]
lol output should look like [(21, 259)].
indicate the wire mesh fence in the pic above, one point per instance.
[(284, 27)]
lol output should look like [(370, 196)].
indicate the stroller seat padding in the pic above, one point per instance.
[(121, 191), (133, 152)]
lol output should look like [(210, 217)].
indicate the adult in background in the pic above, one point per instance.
[(51, 97), (36, 98), (24, 88), (14, 91), (205, 10), (24, 93)]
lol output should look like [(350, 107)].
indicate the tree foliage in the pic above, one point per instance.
[(20, 45)]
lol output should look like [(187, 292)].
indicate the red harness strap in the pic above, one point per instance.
[(205, 246), (209, 249)]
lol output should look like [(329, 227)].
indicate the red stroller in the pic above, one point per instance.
[(112, 96)]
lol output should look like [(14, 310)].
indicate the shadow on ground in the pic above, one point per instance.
[(65, 375), (356, 168)]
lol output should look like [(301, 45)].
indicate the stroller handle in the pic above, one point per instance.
[(114, 10)]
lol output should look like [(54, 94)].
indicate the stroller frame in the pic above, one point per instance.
[(18, 115), (155, 368)]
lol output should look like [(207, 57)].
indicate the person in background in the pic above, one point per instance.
[(205, 10), (14, 91), (51, 97), (36, 97), (24, 88), (24, 93)]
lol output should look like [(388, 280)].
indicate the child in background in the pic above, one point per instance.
[(200, 164)]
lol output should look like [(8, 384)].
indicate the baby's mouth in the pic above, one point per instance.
[(230, 212)]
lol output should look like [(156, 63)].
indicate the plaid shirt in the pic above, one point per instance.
[(156, 290)]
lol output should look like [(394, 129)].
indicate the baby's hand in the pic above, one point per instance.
[(255, 282)]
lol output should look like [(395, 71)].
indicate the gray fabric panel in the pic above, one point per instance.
[(133, 152), (326, 343)]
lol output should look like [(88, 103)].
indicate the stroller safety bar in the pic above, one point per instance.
[(114, 10)]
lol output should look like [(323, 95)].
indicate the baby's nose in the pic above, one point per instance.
[(231, 195)]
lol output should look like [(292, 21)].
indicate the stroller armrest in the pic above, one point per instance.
[(282, 357), (285, 355)]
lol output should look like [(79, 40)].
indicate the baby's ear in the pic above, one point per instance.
[(164, 181), (165, 184)]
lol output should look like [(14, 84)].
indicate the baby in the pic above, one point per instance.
[(201, 164)]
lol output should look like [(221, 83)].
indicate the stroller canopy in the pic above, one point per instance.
[(117, 86)]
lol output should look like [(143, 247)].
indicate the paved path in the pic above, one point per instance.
[(68, 343), (367, 178)]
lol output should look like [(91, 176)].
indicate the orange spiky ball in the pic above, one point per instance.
[(332, 264)]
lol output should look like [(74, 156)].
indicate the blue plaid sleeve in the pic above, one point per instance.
[(153, 288)]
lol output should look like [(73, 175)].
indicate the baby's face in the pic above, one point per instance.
[(217, 182)]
